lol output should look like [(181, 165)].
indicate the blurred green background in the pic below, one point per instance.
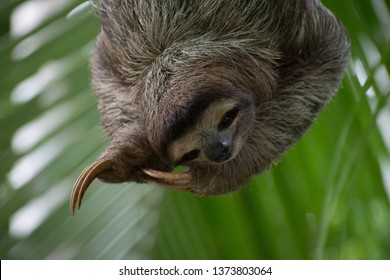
[(328, 198)]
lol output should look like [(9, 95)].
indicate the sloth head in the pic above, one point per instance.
[(199, 107), (209, 127)]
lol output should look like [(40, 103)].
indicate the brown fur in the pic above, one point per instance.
[(154, 58)]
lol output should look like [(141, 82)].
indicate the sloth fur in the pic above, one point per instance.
[(155, 59)]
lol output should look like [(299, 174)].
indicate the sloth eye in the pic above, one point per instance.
[(190, 156), (228, 119)]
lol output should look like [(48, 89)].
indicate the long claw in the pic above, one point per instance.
[(84, 181), (176, 181), (183, 186), (176, 177)]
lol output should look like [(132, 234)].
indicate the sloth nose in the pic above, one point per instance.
[(219, 151)]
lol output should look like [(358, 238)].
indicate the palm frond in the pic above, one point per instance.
[(327, 198)]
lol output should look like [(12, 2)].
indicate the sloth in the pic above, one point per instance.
[(220, 87)]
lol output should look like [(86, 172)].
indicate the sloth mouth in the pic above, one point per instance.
[(228, 158), (223, 160), (224, 156)]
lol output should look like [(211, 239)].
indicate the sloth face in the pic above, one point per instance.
[(217, 135)]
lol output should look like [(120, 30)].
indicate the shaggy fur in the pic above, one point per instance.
[(154, 59)]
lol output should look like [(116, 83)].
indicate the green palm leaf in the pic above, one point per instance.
[(327, 198)]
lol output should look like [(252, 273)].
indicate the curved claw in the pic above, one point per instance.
[(167, 175), (84, 180), (183, 186), (169, 180)]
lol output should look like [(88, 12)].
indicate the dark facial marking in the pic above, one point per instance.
[(190, 156), (228, 118)]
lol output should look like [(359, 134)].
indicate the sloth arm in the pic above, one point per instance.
[(118, 102)]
